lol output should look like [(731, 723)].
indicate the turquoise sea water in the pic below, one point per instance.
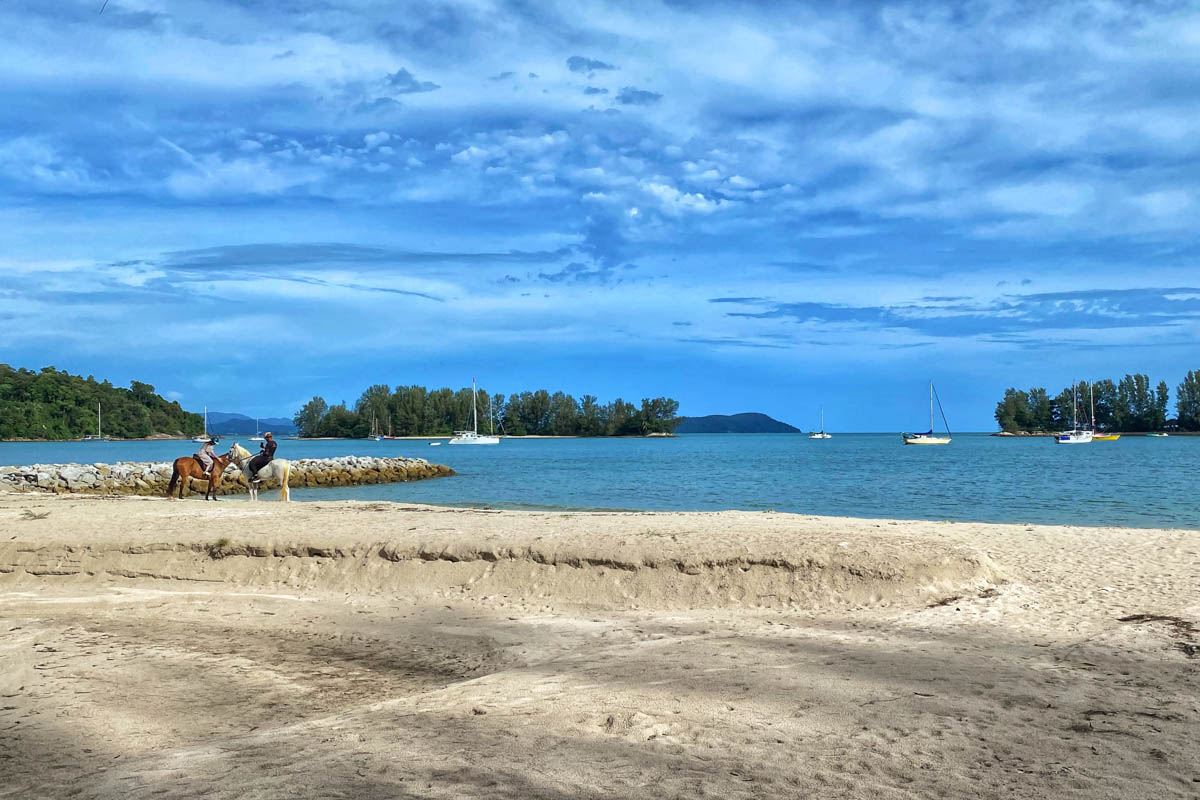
[(1136, 481)]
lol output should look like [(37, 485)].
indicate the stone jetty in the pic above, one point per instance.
[(151, 478)]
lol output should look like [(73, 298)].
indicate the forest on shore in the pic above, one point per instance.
[(418, 411), (1128, 405), (52, 404)]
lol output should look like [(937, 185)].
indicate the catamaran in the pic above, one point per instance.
[(99, 437), (472, 436), (822, 434), (1076, 435), (928, 437)]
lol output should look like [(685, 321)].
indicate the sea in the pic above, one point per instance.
[(1133, 482)]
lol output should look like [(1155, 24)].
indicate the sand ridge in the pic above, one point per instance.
[(1053, 666)]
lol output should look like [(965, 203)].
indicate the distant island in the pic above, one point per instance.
[(734, 423), (418, 411), (1131, 405), (55, 405)]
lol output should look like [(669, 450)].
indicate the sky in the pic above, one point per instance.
[(771, 207)]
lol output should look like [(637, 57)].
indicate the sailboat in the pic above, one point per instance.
[(1076, 435), (822, 434), (99, 437), (204, 437), (472, 436), (1097, 436), (375, 435), (928, 437), (257, 437)]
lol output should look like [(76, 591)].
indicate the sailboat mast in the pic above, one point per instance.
[(474, 409), (1092, 400), (98, 430), (931, 406)]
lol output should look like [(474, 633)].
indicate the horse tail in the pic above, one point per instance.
[(174, 479), (284, 493)]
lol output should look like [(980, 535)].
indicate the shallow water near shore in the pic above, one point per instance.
[(1136, 481)]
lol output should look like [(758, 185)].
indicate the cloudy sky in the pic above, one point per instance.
[(745, 206)]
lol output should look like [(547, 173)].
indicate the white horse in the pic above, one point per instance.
[(279, 469)]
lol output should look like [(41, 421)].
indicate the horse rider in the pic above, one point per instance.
[(207, 456), (265, 455)]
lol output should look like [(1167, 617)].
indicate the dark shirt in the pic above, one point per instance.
[(268, 448)]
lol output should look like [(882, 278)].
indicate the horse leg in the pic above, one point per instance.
[(174, 480), (285, 494)]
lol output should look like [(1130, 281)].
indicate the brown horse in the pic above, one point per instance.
[(187, 468)]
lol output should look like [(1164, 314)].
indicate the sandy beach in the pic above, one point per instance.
[(380, 650)]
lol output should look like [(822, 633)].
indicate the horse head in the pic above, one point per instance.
[(238, 453)]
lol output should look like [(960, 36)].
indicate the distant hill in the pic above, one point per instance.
[(733, 423), (227, 424)]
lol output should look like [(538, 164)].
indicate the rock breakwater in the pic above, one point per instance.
[(152, 477)]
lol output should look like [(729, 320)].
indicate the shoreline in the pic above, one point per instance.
[(389, 649)]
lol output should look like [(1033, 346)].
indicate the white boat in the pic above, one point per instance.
[(822, 434), (99, 437), (1158, 435), (928, 437), (375, 435), (204, 437), (472, 436), (257, 437), (1076, 435)]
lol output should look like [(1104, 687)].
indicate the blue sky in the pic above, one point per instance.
[(766, 207)]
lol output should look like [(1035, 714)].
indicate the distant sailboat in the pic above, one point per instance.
[(822, 434), (1097, 436), (99, 437), (928, 437), (204, 437), (472, 436), (257, 437), (375, 435), (1076, 435)]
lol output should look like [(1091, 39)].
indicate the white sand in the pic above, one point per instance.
[(375, 650)]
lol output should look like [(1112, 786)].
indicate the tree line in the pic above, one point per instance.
[(1130, 404), (52, 404), (418, 411)]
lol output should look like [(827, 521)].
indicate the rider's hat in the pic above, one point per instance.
[(269, 435)]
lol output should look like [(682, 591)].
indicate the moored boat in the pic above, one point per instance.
[(928, 437), (472, 436)]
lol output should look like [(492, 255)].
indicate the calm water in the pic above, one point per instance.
[(1138, 481)]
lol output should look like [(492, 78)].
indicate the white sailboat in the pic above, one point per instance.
[(928, 437), (822, 434), (257, 437), (99, 437), (1076, 435), (375, 435), (204, 437), (472, 436)]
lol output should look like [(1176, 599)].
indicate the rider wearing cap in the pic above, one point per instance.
[(265, 456)]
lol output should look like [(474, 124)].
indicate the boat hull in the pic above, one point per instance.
[(1084, 437), (927, 440), (820, 436), (1107, 437), (470, 438)]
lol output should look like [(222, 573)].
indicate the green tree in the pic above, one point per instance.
[(308, 419), (1187, 401)]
